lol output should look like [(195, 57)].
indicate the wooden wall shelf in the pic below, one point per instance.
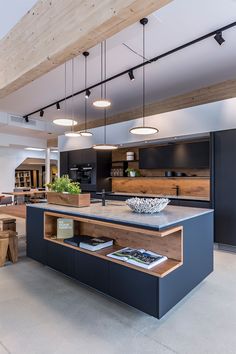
[(168, 242)]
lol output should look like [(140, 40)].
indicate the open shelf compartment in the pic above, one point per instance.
[(168, 242)]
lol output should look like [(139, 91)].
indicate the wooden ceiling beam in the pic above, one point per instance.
[(209, 94), (53, 32), (52, 143)]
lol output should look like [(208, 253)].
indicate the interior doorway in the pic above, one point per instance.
[(31, 173)]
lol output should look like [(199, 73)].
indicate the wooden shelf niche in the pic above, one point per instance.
[(168, 242)]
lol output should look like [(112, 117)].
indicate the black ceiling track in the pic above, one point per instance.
[(152, 60)]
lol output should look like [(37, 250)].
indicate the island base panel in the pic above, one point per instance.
[(197, 265), (149, 293), (134, 288)]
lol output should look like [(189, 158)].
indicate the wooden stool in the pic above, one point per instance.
[(7, 224), (8, 247)]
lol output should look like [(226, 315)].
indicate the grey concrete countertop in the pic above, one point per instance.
[(118, 212), (143, 195)]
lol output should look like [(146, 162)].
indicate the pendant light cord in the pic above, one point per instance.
[(104, 86), (85, 100), (144, 87), (65, 91), (72, 88), (105, 91)]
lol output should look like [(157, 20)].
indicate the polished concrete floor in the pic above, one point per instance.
[(42, 311)]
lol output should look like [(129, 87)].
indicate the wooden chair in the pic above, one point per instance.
[(5, 201), (8, 241), (8, 247)]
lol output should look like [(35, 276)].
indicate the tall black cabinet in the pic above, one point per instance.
[(225, 186), (100, 162)]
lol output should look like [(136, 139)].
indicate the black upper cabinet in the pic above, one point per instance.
[(64, 163), (172, 156)]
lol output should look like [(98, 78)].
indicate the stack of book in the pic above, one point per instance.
[(89, 243), (138, 257)]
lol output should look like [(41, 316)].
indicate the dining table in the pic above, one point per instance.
[(29, 193)]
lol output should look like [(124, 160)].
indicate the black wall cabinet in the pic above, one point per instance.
[(100, 160), (225, 186), (182, 155)]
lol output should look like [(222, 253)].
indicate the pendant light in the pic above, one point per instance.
[(104, 146), (103, 102), (65, 122), (144, 130), (71, 133), (85, 132)]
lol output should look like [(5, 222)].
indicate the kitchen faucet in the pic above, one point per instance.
[(103, 197), (176, 189)]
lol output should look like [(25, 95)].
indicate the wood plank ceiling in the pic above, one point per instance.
[(53, 32)]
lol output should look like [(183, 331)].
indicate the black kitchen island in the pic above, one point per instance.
[(184, 235)]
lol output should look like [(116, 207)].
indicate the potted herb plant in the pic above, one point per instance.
[(63, 191), (132, 172)]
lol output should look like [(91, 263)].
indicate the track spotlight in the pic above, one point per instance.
[(219, 38), (87, 93), (26, 119), (41, 113), (58, 106), (131, 75)]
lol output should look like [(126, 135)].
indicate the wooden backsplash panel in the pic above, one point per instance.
[(198, 187)]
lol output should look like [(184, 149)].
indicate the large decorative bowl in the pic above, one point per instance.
[(147, 205)]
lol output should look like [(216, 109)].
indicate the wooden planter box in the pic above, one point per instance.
[(76, 200)]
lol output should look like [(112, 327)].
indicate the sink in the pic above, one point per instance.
[(114, 203)]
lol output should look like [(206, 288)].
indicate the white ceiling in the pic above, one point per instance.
[(11, 12), (33, 133), (200, 65)]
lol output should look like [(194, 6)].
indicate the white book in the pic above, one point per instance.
[(139, 257)]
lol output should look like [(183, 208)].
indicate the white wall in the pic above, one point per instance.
[(10, 158), (195, 120)]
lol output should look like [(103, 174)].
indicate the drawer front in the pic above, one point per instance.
[(135, 288), (92, 271), (61, 258), (36, 246)]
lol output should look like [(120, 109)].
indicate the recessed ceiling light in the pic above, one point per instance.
[(65, 122), (105, 147), (143, 130), (102, 103), (72, 134), (34, 149), (54, 151)]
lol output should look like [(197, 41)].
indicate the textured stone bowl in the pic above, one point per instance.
[(147, 205)]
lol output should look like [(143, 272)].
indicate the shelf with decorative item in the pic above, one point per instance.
[(168, 242), (120, 168)]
